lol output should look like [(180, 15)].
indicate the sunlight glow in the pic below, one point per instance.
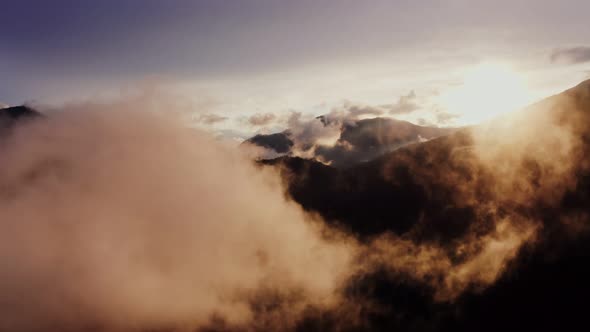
[(487, 90)]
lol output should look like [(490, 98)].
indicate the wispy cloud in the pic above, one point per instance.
[(406, 104), (210, 118), (261, 119), (571, 55)]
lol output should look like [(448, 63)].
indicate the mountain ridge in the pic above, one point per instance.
[(358, 140)]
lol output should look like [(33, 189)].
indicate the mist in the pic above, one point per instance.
[(118, 216), (121, 220)]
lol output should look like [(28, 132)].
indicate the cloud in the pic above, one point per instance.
[(210, 118), (348, 113), (527, 161), (321, 137), (571, 55), (306, 131), (443, 118), (355, 111), (484, 258), (3, 105), (455, 213), (124, 220), (261, 119), (121, 218), (406, 104)]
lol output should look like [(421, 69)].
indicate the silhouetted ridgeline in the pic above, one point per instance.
[(9, 115), (356, 140), (279, 142)]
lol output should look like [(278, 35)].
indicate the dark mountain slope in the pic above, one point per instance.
[(366, 200), (367, 139), (10, 114), (278, 142), (400, 188), (528, 169)]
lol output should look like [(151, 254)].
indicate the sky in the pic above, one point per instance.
[(234, 60)]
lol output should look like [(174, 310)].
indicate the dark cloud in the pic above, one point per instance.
[(210, 118), (261, 119), (571, 55)]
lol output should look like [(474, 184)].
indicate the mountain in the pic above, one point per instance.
[(358, 140), (17, 112), (526, 170), (366, 139), (10, 115), (278, 142), (418, 173)]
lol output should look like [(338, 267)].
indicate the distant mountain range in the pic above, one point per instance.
[(359, 140)]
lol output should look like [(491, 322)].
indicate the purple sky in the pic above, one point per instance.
[(55, 50)]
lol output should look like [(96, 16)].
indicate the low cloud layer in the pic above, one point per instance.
[(118, 219), (514, 177), (121, 220)]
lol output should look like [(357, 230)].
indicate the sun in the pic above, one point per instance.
[(487, 90)]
